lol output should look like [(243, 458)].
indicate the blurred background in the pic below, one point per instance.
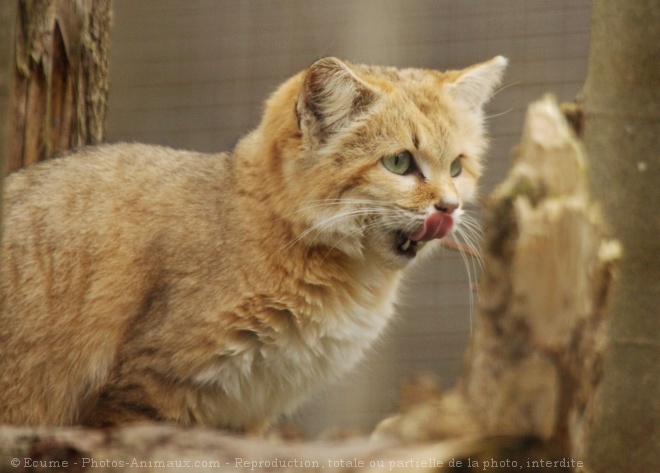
[(194, 74)]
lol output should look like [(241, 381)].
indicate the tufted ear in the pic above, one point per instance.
[(331, 96), (474, 86)]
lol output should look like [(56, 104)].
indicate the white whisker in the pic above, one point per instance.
[(470, 233), (323, 203), (504, 87), (337, 218), (488, 117)]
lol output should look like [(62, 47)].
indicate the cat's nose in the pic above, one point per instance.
[(446, 207)]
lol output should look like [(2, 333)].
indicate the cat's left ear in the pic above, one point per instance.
[(474, 86), (331, 96)]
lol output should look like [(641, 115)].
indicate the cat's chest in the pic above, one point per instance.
[(323, 343), (338, 333), (275, 372), (340, 326)]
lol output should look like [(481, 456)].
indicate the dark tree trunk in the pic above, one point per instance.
[(622, 136), (7, 23), (60, 78)]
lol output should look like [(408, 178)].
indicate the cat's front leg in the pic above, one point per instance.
[(123, 403)]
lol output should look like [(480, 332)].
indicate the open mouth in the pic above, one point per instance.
[(405, 246), (437, 225)]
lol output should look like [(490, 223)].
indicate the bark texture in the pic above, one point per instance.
[(59, 99), (622, 136), (7, 23)]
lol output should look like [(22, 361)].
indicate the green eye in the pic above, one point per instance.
[(401, 163), (456, 167)]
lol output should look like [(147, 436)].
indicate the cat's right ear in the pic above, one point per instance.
[(331, 96), (474, 86)]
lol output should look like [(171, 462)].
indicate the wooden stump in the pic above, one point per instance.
[(535, 355)]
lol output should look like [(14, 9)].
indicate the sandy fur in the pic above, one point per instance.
[(145, 283)]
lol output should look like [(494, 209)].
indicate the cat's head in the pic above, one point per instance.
[(376, 161)]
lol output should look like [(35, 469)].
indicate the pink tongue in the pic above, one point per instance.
[(436, 225)]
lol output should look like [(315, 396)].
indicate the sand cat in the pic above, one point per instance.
[(141, 283)]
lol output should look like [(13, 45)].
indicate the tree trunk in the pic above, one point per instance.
[(60, 83), (622, 136), (7, 23)]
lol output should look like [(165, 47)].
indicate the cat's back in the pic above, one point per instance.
[(86, 237), (124, 205), (125, 170), (125, 190)]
